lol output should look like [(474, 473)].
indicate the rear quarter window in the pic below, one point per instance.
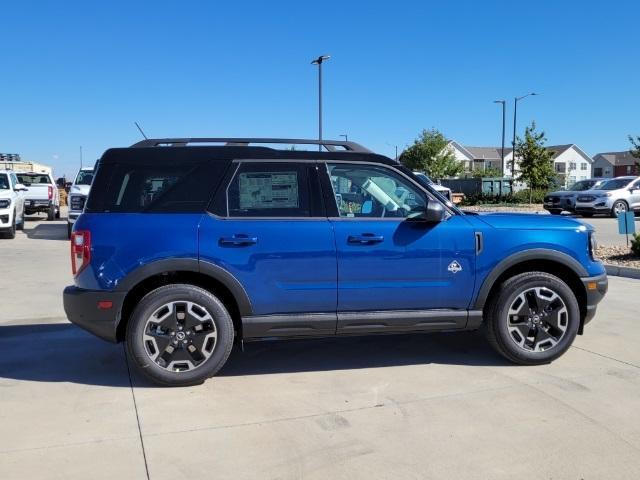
[(161, 188)]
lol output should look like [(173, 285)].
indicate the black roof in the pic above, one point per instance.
[(176, 151)]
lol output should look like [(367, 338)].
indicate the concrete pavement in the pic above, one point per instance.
[(423, 406)]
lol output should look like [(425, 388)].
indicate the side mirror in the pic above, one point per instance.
[(433, 213), (20, 188)]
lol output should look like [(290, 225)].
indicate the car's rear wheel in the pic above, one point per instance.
[(69, 229), (619, 206), (533, 318), (179, 335), (58, 212), (51, 213)]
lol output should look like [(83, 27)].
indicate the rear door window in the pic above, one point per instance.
[(270, 189)]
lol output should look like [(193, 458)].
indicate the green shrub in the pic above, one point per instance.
[(635, 244), (517, 198)]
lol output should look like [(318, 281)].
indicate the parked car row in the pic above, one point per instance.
[(597, 196)]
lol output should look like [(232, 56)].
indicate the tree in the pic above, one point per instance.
[(536, 164), (635, 151), (487, 172), (430, 154)]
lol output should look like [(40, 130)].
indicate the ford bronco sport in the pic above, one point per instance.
[(183, 249)]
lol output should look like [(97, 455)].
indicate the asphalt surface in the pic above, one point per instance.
[(607, 230), (412, 407)]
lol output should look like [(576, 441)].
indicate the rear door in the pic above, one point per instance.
[(634, 197), (267, 228), (395, 274)]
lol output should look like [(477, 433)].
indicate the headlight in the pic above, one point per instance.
[(593, 245), (604, 195), (77, 202), (5, 202)]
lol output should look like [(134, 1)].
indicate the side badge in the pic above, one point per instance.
[(454, 267)]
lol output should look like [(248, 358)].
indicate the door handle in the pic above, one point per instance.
[(239, 240), (365, 239)]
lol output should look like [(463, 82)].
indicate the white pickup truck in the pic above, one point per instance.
[(78, 196), (42, 194)]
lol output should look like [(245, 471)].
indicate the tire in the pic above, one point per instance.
[(555, 212), (69, 228), (51, 213), (619, 206), (504, 332), (11, 232), (155, 322), (20, 226), (58, 213)]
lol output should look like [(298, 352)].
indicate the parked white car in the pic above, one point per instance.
[(11, 204), (78, 196), (42, 194), (442, 190), (618, 195)]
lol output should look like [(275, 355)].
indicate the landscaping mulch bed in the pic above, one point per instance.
[(524, 207), (618, 255)]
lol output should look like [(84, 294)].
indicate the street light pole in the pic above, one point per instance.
[(513, 143), (346, 137), (318, 61), (504, 108)]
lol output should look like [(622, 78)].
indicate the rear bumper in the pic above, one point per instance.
[(81, 308), (596, 288), (37, 205)]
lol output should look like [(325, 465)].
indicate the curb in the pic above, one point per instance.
[(626, 272)]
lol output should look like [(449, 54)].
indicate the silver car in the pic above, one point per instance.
[(618, 195), (556, 202)]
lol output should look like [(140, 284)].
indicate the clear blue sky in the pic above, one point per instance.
[(80, 73)]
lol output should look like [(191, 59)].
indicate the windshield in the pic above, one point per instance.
[(31, 179), (615, 184), (581, 186), (85, 177), (4, 182)]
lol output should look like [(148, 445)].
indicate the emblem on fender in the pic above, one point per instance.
[(454, 267)]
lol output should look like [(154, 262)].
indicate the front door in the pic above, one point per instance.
[(395, 273), (272, 235)]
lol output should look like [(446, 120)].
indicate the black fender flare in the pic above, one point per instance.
[(519, 257), (189, 265)]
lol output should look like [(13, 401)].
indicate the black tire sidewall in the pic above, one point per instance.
[(51, 214), (510, 291), (177, 292)]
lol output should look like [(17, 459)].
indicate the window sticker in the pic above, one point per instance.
[(268, 190)]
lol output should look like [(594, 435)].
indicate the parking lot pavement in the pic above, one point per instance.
[(607, 230), (424, 406)]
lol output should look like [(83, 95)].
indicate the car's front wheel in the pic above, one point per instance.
[(179, 335), (533, 318), (620, 206), (11, 232)]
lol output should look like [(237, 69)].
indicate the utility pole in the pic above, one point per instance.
[(81, 156), (513, 143), (504, 108)]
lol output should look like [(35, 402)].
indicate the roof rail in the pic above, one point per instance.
[(329, 145)]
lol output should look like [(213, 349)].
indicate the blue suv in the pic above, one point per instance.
[(186, 246)]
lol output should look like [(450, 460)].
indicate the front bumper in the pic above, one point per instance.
[(593, 209), (6, 218), (81, 307), (72, 217), (596, 288)]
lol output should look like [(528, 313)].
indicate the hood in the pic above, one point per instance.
[(80, 190), (562, 194), (532, 221)]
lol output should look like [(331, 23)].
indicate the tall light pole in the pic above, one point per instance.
[(504, 113), (318, 61), (513, 143)]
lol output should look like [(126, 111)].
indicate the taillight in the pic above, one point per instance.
[(80, 250), (50, 192)]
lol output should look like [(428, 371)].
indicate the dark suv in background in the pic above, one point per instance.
[(183, 248)]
